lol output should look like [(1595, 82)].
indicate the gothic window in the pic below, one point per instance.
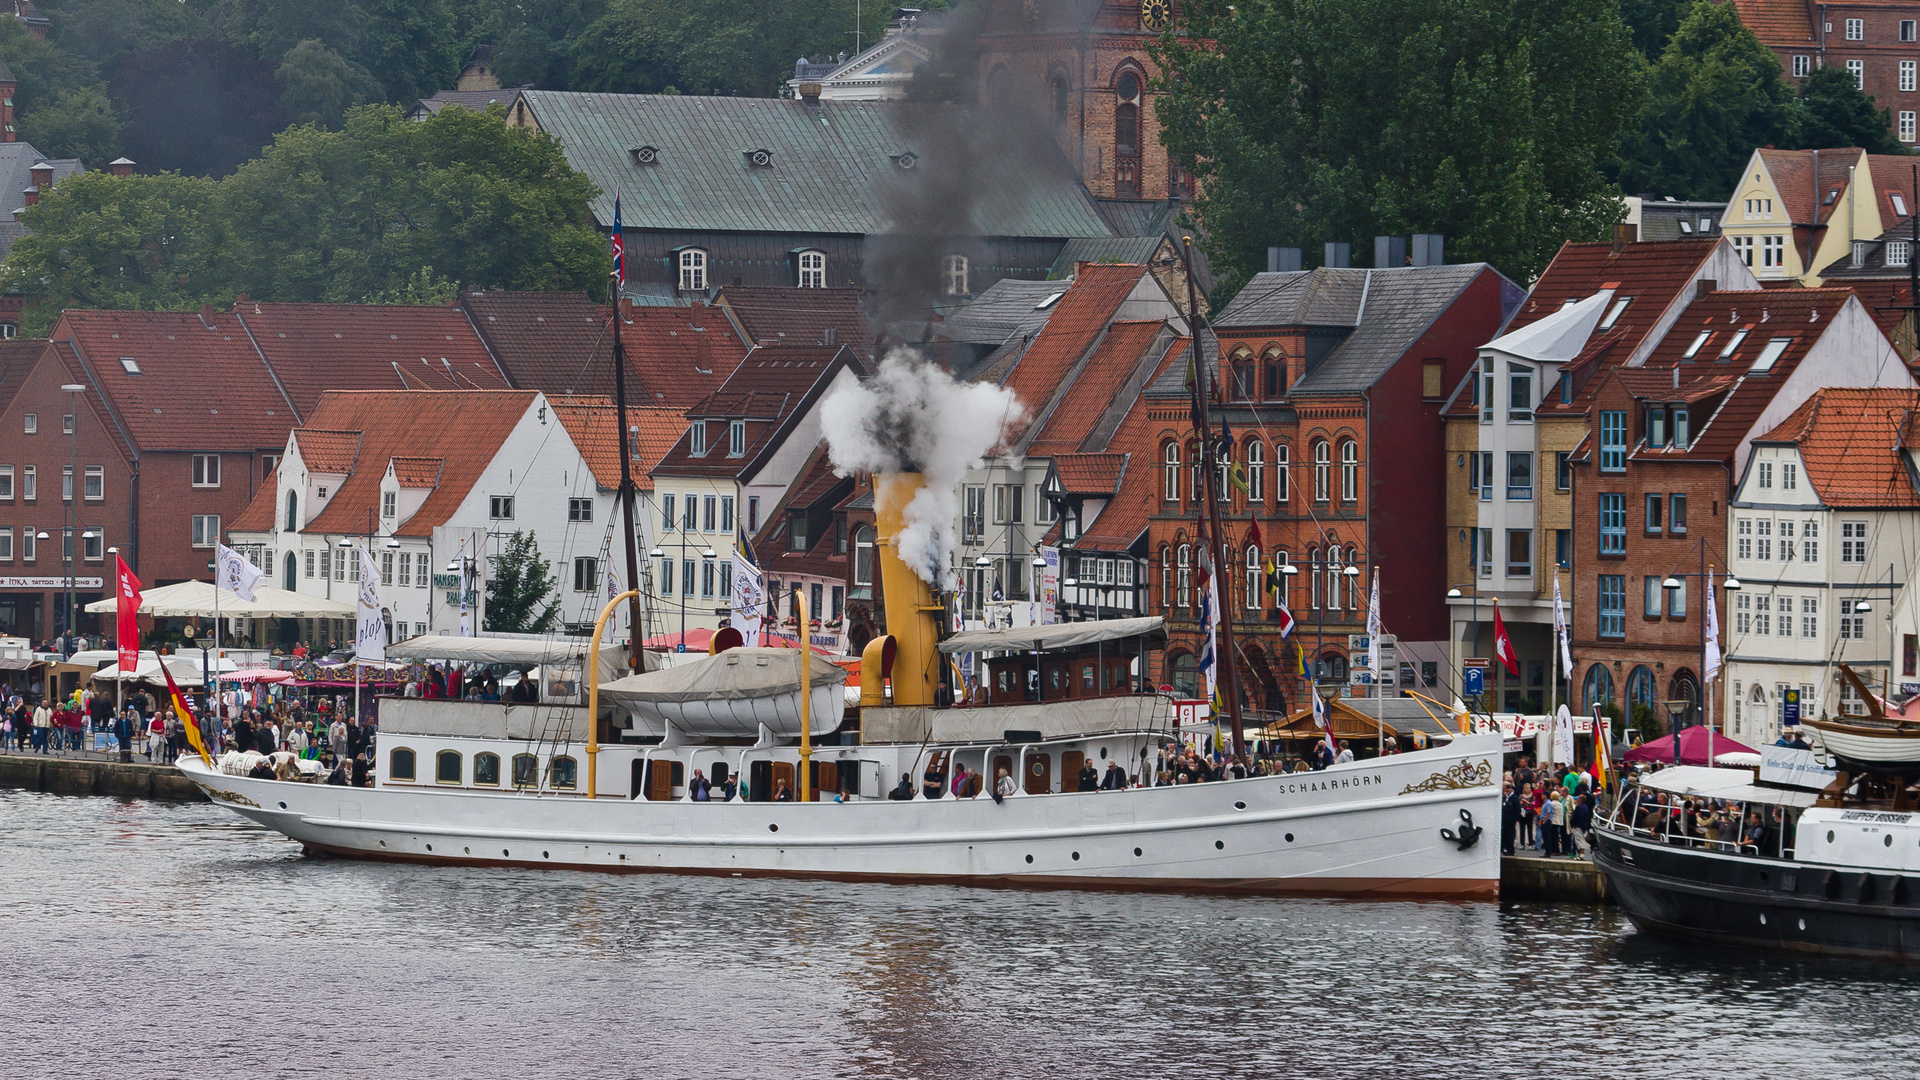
[(1275, 383)]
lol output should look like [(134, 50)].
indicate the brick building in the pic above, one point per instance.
[(1878, 41), (1665, 441), (1333, 381)]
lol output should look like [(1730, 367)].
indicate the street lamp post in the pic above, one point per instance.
[(1667, 585), (72, 493), (1455, 594)]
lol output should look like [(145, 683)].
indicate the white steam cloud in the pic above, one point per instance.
[(912, 416)]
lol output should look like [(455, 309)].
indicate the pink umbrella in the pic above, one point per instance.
[(1693, 748), (257, 674)]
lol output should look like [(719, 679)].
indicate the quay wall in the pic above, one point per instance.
[(1524, 877), (69, 776)]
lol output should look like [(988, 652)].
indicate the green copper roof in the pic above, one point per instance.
[(821, 168)]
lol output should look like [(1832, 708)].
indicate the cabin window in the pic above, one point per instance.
[(447, 767), (400, 764), (486, 769), (526, 770), (564, 773)]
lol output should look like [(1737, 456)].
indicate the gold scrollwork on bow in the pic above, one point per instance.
[(1467, 774), (232, 797)]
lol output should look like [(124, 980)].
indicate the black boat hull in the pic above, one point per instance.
[(1757, 902)]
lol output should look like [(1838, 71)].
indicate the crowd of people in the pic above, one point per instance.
[(1548, 809), (1699, 821)]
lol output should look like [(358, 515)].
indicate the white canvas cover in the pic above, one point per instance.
[(734, 693), (514, 650), (195, 599), (1055, 636)]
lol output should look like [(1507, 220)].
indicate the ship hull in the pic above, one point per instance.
[(1858, 748), (1754, 902), (1365, 829)]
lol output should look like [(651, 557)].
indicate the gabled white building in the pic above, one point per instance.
[(431, 482)]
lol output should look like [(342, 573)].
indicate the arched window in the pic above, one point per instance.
[(1166, 577), (1321, 458), (1126, 114), (290, 576), (293, 511), (956, 276), (1254, 578), (1336, 667), (693, 270), (1195, 491), (1243, 375), (1333, 579), (1640, 687), (486, 769), (1275, 383), (1222, 465), (1183, 578), (400, 764), (1058, 93), (526, 771), (1256, 473), (1282, 478), (564, 773), (447, 767), (1283, 595), (1353, 590), (1171, 489), (1313, 579), (813, 270), (863, 555), (1186, 675), (1349, 471), (1597, 689)]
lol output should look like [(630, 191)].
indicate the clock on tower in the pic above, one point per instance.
[(1155, 14)]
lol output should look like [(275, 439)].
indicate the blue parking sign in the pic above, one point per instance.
[(1473, 682)]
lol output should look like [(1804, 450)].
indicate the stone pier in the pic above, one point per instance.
[(92, 775)]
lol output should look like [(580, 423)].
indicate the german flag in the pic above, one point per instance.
[(185, 712)]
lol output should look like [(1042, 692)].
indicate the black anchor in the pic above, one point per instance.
[(1469, 832)]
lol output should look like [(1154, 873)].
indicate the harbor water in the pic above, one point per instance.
[(142, 939)]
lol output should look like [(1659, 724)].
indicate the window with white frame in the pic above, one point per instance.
[(1856, 30), (726, 514), (1349, 471), (1281, 488), (697, 438), (500, 507), (93, 545), (1852, 627), (406, 570), (1858, 70), (1789, 476), (422, 573), (1906, 125), (1909, 75), (1853, 542), (1907, 27), (579, 509), (1802, 64), (666, 511), (6, 544), (1743, 247), (693, 270), (1773, 251), (206, 470), (956, 275), (1810, 541), (736, 438), (386, 568), (1322, 459), (813, 270), (206, 530), (689, 512), (1519, 392), (1786, 541), (96, 483), (1743, 532), (1763, 539), (1763, 615), (309, 562), (1896, 250), (1743, 614), (6, 483), (1765, 474), (1809, 616), (30, 423), (66, 483), (586, 574)]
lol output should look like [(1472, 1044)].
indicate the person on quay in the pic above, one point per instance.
[(1509, 816)]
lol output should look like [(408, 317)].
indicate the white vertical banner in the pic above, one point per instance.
[(1374, 629), (370, 631), (749, 593), (1560, 630)]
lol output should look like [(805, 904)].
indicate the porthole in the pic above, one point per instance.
[(505, 854), (1103, 753), (1803, 924), (544, 855), (1889, 839), (1076, 856), (429, 847), (1239, 806), (1219, 845), (383, 843), (1289, 838), (772, 827), (1829, 836), (283, 806), (466, 851), (1029, 858), (623, 856), (1763, 877), (1137, 853), (1763, 918)]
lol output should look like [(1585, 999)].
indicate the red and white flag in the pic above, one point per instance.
[(126, 615), (1503, 645)]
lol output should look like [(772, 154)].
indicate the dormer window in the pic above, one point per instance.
[(1859, 254), (697, 434), (389, 504), (812, 270), (760, 159), (644, 155), (905, 162), (956, 275), (796, 532), (736, 438), (1896, 253), (693, 270)]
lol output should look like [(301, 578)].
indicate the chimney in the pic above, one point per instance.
[(32, 195), (206, 315), (121, 166), (810, 93), (1429, 249), (42, 174), (1703, 286), (1339, 256), (1389, 251), (1283, 260), (18, 212)]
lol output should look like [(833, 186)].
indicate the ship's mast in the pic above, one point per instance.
[(636, 626), (1216, 539)]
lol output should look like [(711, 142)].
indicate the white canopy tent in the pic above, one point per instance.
[(195, 599), (185, 669)]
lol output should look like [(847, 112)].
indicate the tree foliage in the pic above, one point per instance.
[(384, 210), (1835, 112), (1485, 120), (521, 589), (196, 106), (318, 85), (713, 46), (75, 124)]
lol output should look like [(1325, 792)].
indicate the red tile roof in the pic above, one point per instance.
[(1078, 319), (1886, 299), (1778, 23), (1892, 175), (773, 316), (769, 388), (1807, 200), (200, 384), (17, 358), (1853, 444), (418, 472), (328, 451), (464, 429), (592, 424), (559, 343), (1089, 474), (1093, 391), (1653, 273), (314, 348), (680, 354)]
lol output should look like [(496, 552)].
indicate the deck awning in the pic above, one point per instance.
[(1056, 636), (513, 650), (1732, 784)]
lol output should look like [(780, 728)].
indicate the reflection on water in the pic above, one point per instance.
[(154, 940)]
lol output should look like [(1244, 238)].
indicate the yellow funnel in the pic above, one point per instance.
[(912, 614)]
